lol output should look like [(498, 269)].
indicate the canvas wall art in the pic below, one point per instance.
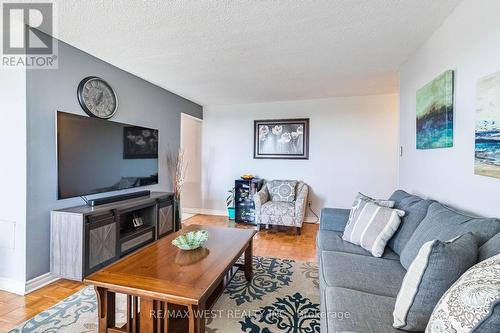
[(435, 113), (487, 154), (281, 139)]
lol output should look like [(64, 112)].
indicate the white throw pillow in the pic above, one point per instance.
[(472, 303), (372, 226)]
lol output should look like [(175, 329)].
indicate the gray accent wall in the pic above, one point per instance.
[(48, 91)]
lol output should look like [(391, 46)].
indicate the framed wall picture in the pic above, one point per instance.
[(140, 143), (281, 139)]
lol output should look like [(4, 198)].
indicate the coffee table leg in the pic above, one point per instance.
[(147, 322), (196, 318), (106, 309), (249, 260)]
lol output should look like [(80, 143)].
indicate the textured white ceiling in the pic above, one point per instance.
[(228, 51)]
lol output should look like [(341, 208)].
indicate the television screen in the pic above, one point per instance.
[(96, 155)]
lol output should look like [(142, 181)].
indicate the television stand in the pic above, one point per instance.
[(85, 239), (115, 198)]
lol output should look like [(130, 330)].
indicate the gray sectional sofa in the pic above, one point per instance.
[(358, 291)]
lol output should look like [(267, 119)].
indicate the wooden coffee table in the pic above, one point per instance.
[(161, 278)]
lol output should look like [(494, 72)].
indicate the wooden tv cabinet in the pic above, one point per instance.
[(85, 239)]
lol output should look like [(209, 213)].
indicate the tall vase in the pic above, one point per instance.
[(177, 215)]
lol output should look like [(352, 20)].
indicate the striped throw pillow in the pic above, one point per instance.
[(361, 200), (372, 226)]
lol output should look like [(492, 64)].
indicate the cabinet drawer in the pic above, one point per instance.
[(138, 241)]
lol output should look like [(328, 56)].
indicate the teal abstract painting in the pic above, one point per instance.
[(435, 113), (487, 155)]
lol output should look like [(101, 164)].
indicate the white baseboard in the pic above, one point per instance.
[(21, 288), (214, 212), (190, 210), (311, 219), (308, 219), (12, 286), (205, 211), (39, 282)]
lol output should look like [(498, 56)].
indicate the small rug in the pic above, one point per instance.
[(283, 296)]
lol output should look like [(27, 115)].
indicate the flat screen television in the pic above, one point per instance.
[(96, 156)]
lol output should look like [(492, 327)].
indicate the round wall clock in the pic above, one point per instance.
[(97, 98)]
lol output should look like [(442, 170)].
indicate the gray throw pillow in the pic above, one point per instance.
[(437, 266), (282, 190), (472, 304), (443, 223), (490, 248), (416, 209)]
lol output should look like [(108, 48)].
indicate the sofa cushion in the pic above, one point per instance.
[(334, 219), (437, 266), (472, 304), (443, 223), (490, 248), (282, 190), (356, 311), (278, 208), (359, 272), (332, 241), (415, 209), (372, 226)]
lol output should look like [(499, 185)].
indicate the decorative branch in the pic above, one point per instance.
[(177, 167)]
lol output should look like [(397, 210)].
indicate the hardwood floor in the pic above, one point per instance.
[(272, 243), (15, 309), (284, 243)]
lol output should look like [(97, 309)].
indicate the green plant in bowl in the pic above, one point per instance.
[(191, 240)]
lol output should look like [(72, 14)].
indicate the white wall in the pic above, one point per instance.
[(353, 147), (191, 132), (469, 43), (13, 179)]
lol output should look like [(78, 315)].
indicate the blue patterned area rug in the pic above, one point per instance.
[(283, 296)]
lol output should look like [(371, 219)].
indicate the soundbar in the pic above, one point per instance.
[(115, 198)]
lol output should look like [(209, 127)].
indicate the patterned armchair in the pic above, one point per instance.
[(281, 202)]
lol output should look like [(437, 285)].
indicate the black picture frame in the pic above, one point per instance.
[(148, 147), (281, 139)]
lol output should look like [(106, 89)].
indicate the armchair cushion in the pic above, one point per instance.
[(282, 190), (278, 208)]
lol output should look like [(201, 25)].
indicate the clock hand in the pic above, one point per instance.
[(98, 98)]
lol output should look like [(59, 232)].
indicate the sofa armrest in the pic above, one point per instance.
[(334, 219)]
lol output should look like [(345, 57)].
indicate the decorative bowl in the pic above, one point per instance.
[(191, 240)]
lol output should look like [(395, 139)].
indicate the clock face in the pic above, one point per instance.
[(97, 98)]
